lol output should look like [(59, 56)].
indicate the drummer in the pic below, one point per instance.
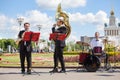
[(97, 42)]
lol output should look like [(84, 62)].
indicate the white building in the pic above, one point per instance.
[(111, 30)]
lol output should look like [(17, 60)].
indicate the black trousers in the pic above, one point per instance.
[(24, 54), (58, 56)]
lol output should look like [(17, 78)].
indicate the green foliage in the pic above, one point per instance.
[(66, 48), (109, 48), (72, 46), (72, 53), (5, 42)]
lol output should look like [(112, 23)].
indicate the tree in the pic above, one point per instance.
[(5, 42), (72, 46)]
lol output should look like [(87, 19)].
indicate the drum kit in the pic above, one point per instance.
[(91, 60)]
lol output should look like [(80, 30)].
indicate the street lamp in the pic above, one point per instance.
[(38, 45), (39, 27), (20, 20)]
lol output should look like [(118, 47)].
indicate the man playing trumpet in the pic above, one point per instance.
[(25, 49)]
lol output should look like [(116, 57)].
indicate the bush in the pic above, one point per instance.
[(114, 58), (72, 53), (113, 53)]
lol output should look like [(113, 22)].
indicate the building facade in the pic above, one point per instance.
[(111, 30)]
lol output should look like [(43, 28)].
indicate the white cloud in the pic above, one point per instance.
[(97, 19), (3, 19), (6, 26), (101, 17), (35, 18), (9, 27), (52, 4)]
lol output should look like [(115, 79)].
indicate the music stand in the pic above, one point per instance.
[(62, 37), (52, 36), (31, 36), (57, 36)]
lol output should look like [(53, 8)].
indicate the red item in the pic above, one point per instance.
[(62, 37), (33, 36), (97, 49), (53, 36), (57, 36), (82, 57)]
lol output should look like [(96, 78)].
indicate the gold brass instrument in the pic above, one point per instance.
[(60, 13), (19, 39)]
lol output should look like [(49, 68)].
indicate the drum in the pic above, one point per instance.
[(97, 51), (82, 57), (92, 63)]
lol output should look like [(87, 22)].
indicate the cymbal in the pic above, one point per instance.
[(106, 40), (82, 43)]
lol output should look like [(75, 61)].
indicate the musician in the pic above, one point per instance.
[(60, 28), (25, 49), (97, 42)]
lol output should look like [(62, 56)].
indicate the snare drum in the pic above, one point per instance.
[(82, 57), (97, 51)]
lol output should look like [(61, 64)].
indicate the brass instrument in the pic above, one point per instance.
[(60, 13), (19, 39)]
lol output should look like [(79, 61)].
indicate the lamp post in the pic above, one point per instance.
[(38, 45), (39, 27), (20, 21)]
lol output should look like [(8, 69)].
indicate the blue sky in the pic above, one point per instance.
[(86, 16)]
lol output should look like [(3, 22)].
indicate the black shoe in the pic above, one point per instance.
[(62, 71), (28, 71), (54, 71), (22, 72)]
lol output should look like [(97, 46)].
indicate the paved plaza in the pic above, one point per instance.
[(71, 74)]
